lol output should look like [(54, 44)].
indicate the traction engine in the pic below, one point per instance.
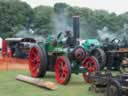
[(62, 55)]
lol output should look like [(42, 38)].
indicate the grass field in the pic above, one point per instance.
[(10, 87)]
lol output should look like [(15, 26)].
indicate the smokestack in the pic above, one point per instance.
[(76, 27)]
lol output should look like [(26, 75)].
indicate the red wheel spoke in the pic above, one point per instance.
[(38, 59), (33, 53), (33, 60), (35, 67), (65, 69), (61, 64)]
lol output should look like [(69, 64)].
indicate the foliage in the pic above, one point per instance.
[(14, 16), (42, 20), (17, 15)]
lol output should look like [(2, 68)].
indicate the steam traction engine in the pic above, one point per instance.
[(63, 55), (111, 54), (116, 53)]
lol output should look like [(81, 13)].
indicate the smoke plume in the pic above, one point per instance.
[(61, 22), (105, 33), (29, 34)]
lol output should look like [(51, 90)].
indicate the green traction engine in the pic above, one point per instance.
[(62, 55)]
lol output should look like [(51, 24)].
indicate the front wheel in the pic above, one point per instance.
[(113, 88), (92, 65), (62, 70)]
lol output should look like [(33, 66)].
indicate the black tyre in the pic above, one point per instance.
[(100, 56), (113, 88), (37, 61)]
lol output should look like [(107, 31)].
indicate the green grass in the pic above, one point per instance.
[(10, 87)]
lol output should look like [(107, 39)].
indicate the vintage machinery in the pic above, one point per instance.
[(63, 55), (93, 47), (116, 54), (111, 54), (110, 85), (17, 47), (91, 44)]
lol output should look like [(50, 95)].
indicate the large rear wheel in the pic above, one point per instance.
[(92, 65), (100, 55), (37, 61), (62, 70)]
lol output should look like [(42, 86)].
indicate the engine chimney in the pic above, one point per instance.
[(76, 27)]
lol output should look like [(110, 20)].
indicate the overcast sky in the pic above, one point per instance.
[(118, 6)]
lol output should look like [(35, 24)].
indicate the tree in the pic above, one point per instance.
[(14, 16), (42, 24)]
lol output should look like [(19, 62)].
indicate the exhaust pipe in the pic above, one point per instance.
[(76, 27)]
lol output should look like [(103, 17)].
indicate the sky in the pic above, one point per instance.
[(117, 6)]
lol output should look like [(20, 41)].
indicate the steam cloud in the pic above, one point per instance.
[(105, 33), (29, 34), (61, 23)]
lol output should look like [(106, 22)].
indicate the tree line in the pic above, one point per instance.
[(16, 16)]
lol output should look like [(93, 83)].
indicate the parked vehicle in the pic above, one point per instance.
[(17, 47)]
